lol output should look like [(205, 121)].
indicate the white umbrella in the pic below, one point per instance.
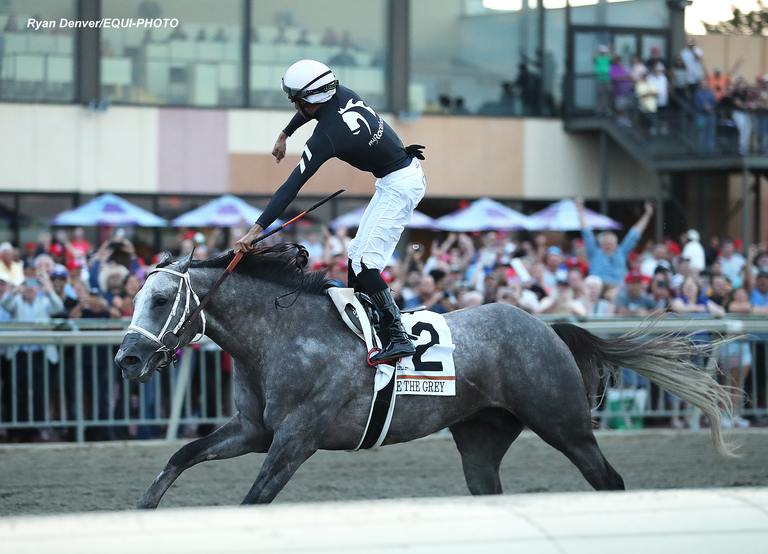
[(225, 211), (484, 215), (352, 219), (108, 210), (564, 216)]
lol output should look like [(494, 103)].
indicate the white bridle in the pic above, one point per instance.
[(190, 294)]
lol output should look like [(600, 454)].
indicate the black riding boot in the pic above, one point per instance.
[(393, 336)]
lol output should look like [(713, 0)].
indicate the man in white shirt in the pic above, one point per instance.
[(694, 251), (692, 57)]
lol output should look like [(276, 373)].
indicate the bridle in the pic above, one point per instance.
[(169, 341)]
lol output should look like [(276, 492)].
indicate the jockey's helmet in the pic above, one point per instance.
[(310, 81)]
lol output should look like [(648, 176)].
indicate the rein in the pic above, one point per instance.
[(170, 341)]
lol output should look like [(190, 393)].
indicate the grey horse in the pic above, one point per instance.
[(302, 383)]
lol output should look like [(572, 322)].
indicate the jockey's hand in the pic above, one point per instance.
[(279, 150), (244, 243)]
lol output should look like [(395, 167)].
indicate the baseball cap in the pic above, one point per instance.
[(5, 246), (693, 234), (633, 276), (762, 273), (59, 272), (555, 250)]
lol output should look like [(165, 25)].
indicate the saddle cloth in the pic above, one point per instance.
[(430, 371)]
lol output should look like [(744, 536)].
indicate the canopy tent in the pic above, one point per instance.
[(225, 211), (484, 215), (564, 216), (108, 210), (352, 219)]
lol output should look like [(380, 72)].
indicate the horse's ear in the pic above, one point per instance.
[(187, 261)]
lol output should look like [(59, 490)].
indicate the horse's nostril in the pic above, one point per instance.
[(129, 361)]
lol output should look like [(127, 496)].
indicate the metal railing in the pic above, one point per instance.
[(67, 381)]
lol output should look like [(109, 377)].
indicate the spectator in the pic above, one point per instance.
[(719, 83), (593, 301), (731, 262), (679, 82), (623, 86), (633, 300), (742, 117), (10, 269), (638, 69), (735, 359), (427, 295), (609, 260), (694, 251), (516, 295), (31, 304), (692, 57), (653, 62), (647, 99), (658, 79), (704, 104), (657, 258), (761, 114), (65, 291), (562, 301), (758, 293), (691, 300), (661, 293), (720, 290), (554, 268)]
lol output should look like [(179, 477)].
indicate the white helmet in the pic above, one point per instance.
[(311, 81)]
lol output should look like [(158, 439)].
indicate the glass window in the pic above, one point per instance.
[(469, 58), (196, 62), (36, 51), (340, 33), (651, 14)]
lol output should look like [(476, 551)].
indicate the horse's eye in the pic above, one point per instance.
[(160, 301)]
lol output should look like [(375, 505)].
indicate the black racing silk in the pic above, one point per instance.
[(347, 129)]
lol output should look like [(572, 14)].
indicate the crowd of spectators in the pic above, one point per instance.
[(731, 112), (63, 275)]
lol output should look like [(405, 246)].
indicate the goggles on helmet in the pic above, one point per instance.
[(295, 94)]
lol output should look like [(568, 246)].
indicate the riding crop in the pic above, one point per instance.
[(172, 340)]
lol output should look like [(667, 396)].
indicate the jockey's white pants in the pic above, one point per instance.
[(387, 214)]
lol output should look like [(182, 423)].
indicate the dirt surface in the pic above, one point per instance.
[(39, 479)]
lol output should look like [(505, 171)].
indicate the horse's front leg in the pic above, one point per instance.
[(236, 437), (295, 440)]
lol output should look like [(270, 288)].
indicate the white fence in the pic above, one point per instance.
[(68, 380)]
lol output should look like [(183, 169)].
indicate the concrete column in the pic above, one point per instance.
[(398, 68), (88, 52), (746, 210), (603, 173)]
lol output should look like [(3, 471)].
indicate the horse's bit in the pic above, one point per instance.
[(168, 340)]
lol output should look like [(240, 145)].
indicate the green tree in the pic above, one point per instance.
[(742, 23)]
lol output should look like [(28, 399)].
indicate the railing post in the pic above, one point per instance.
[(182, 381), (79, 406)]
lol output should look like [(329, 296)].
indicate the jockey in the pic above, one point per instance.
[(350, 130)]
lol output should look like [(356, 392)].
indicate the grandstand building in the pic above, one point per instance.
[(503, 93)]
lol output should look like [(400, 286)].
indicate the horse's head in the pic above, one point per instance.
[(160, 308)]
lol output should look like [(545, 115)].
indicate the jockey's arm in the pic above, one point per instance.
[(317, 151), (280, 144)]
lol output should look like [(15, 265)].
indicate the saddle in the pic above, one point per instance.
[(358, 311)]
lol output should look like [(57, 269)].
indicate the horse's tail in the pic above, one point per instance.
[(665, 359)]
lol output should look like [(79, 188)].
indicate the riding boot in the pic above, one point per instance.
[(393, 336)]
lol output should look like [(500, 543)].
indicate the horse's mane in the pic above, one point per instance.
[(283, 263)]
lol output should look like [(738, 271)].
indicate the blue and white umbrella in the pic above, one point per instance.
[(108, 210), (352, 219), (484, 215), (225, 211)]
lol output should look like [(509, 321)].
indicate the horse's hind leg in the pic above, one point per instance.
[(235, 438), (568, 427), (482, 442)]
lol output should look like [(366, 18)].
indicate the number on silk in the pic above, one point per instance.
[(422, 349)]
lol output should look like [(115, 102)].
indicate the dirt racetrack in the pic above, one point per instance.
[(39, 479)]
